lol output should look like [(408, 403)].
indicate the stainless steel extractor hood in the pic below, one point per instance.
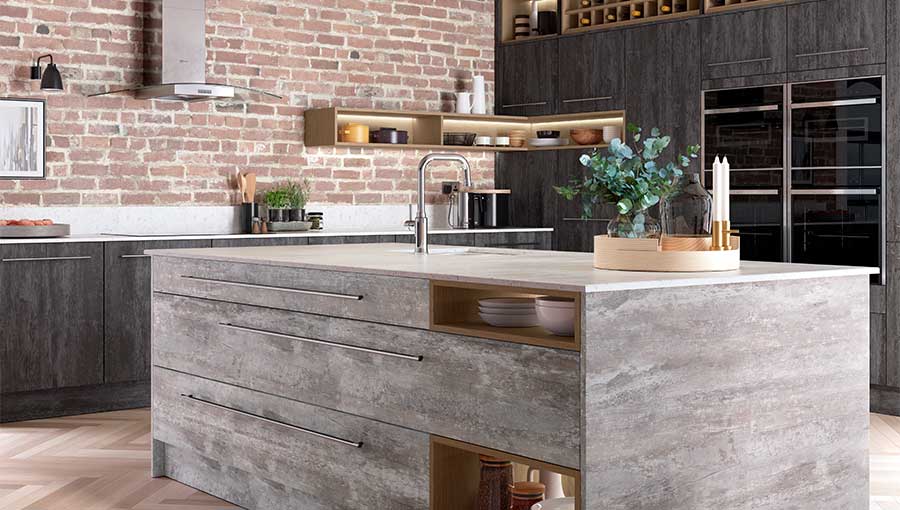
[(174, 40)]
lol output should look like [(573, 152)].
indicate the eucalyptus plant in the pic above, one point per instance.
[(629, 176)]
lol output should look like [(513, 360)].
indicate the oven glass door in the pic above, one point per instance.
[(747, 126), (838, 227), (758, 216), (836, 125)]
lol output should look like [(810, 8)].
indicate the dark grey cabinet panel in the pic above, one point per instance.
[(259, 241), (663, 80), (127, 307), (573, 233), (527, 174), (745, 43), (515, 240), (52, 320), (447, 239), (527, 83), (592, 72), (836, 33), (352, 239)]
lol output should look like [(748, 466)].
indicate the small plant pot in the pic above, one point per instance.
[(277, 215), (297, 215)]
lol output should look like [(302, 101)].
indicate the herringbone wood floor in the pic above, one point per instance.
[(89, 462), (102, 462)]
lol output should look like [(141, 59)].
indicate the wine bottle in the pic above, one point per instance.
[(666, 7), (637, 11), (679, 5), (610, 17), (624, 13), (584, 21)]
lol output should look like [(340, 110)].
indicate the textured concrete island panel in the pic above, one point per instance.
[(742, 396)]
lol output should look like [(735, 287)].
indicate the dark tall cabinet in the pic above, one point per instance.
[(52, 317), (836, 33), (663, 83), (592, 72), (744, 43), (528, 85)]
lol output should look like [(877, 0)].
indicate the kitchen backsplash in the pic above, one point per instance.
[(116, 150)]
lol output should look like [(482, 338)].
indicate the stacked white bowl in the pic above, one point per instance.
[(556, 314), (508, 312)]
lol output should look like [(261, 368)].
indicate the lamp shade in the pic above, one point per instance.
[(51, 80)]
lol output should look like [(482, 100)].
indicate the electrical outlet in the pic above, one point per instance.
[(448, 187)]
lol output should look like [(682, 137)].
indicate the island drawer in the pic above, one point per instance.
[(387, 299), (325, 459), (517, 398)]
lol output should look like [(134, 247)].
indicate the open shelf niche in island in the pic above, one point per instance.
[(426, 129), (454, 309), (456, 473)]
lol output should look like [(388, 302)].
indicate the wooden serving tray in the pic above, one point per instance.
[(38, 231), (669, 254)]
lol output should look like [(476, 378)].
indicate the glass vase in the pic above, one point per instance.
[(688, 212), (637, 224)]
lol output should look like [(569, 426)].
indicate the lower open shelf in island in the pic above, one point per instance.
[(456, 473), (454, 309)]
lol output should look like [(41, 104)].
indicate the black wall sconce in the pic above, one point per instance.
[(51, 80)]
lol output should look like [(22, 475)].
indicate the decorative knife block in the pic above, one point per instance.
[(667, 254)]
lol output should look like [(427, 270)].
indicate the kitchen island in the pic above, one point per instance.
[(360, 377)]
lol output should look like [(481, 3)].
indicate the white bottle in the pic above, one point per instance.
[(478, 96)]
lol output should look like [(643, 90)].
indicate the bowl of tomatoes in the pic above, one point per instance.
[(21, 229)]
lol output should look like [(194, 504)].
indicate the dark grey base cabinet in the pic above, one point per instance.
[(127, 306)]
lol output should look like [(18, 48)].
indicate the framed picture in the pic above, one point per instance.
[(22, 136)]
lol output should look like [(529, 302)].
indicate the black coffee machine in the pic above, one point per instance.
[(477, 208)]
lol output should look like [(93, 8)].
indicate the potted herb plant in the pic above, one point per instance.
[(277, 202), (632, 178), (298, 196)]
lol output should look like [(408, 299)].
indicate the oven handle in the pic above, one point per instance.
[(842, 102), (743, 109), (775, 169), (756, 192), (812, 192)]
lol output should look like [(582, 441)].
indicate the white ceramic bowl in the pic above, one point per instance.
[(509, 321), (559, 321), (611, 132), (506, 302), (555, 504), (555, 302), (507, 311), (502, 141)]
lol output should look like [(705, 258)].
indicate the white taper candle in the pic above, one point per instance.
[(726, 189)]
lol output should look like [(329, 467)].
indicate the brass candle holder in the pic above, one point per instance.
[(721, 236)]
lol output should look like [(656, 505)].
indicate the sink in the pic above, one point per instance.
[(463, 250)]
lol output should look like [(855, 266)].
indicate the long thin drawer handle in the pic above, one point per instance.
[(46, 259), (584, 99), (735, 62), (134, 256), (273, 287), (322, 342), (833, 52), (542, 103), (355, 444)]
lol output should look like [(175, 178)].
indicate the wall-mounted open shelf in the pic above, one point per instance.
[(615, 13), (730, 5), (512, 8), (456, 472), (454, 309), (426, 129)]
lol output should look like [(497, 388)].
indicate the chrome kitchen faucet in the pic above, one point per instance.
[(421, 221)]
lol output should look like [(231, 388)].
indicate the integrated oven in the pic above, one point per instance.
[(807, 169)]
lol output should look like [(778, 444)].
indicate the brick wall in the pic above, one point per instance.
[(116, 150)]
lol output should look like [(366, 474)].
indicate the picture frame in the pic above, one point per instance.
[(23, 136)]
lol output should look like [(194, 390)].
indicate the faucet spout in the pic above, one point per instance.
[(421, 221)]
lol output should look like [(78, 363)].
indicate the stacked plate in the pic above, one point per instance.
[(508, 312), (556, 314)]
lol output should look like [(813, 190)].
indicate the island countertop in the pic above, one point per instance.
[(565, 271)]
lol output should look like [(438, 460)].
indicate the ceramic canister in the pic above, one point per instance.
[(478, 96), (463, 102)]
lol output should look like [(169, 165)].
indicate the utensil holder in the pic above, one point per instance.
[(248, 212)]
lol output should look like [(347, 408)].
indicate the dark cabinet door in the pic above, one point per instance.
[(52, 319), (527, 78), (127, 298), (836, 33), (663, 80), (532, 202), (259, 241), (744, 43), (592, 72), (574, 233)]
